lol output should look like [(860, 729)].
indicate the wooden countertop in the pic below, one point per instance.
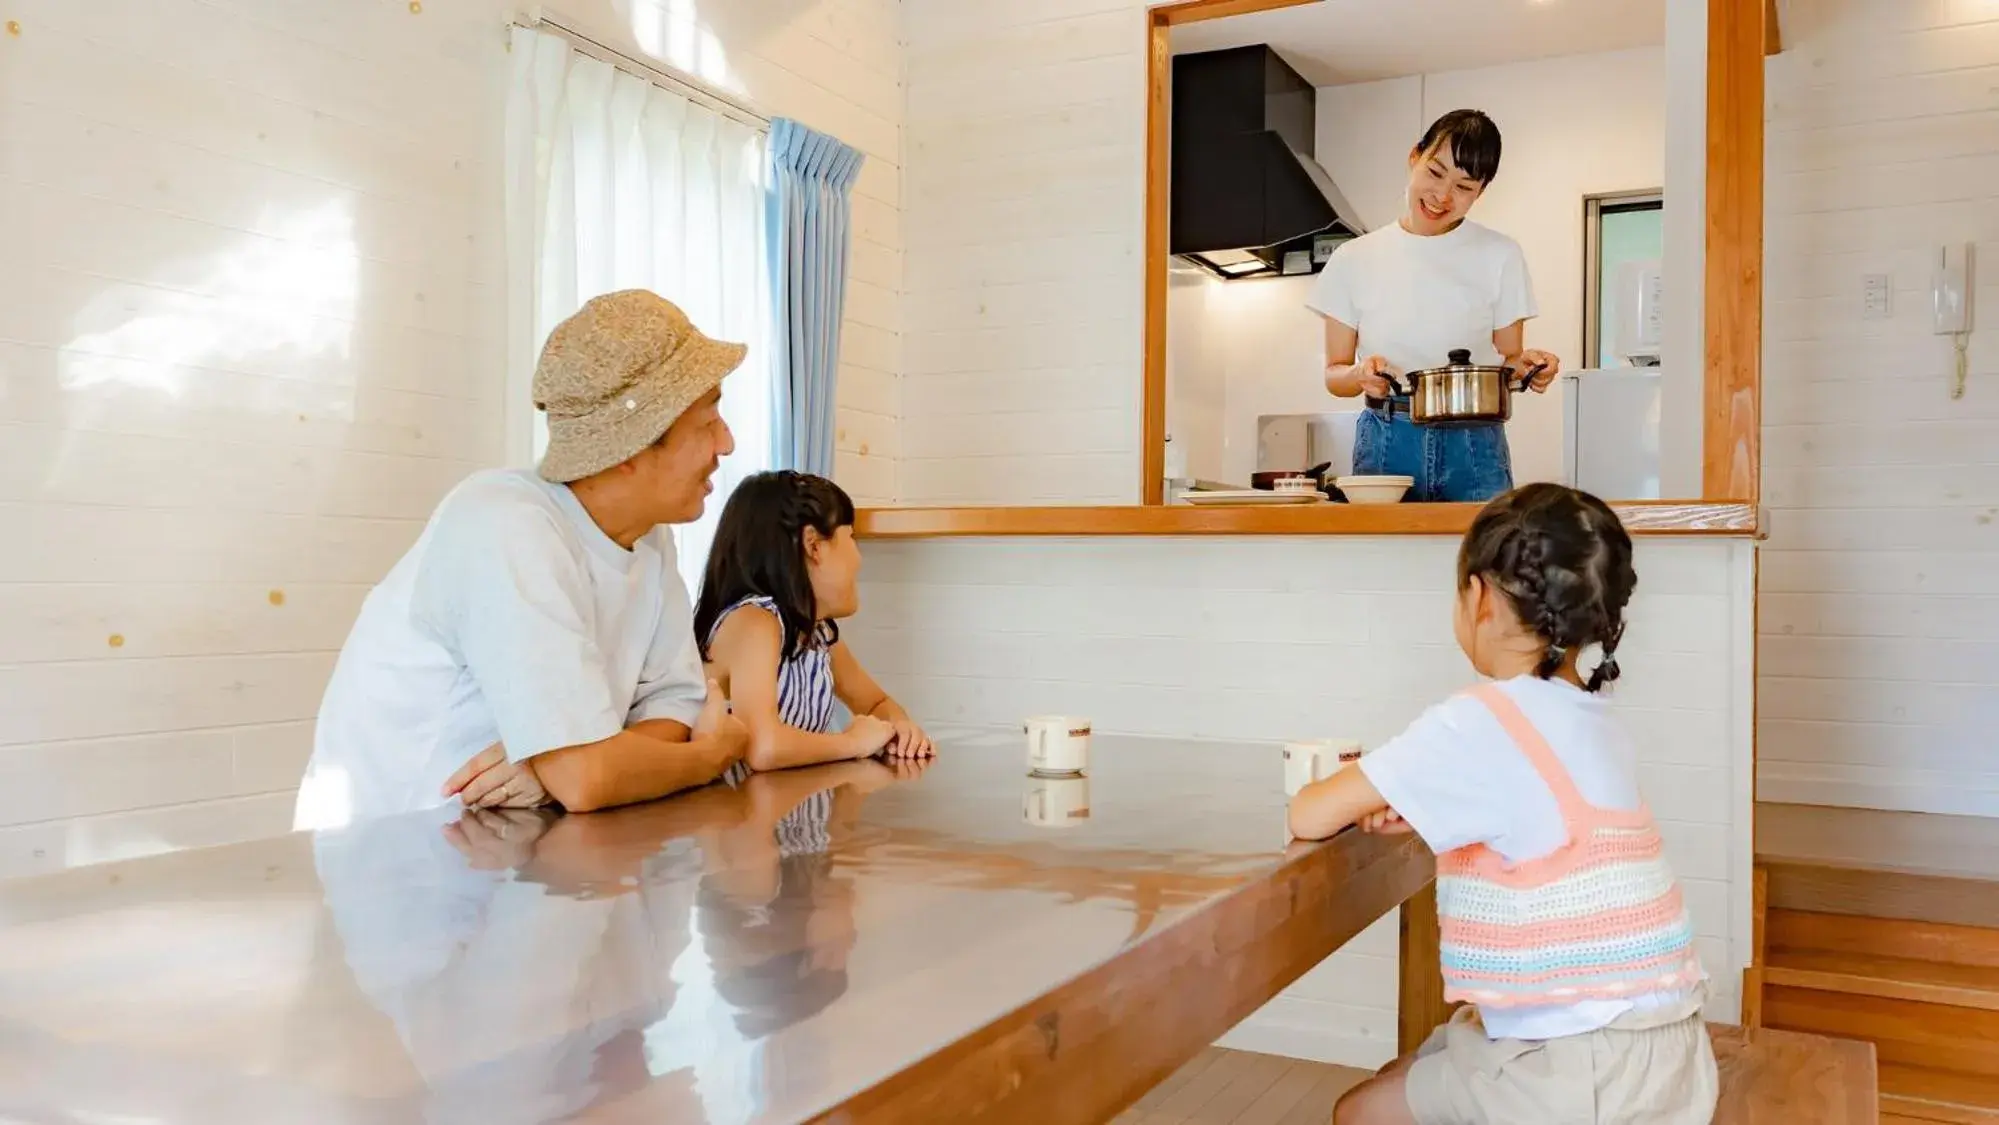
[(1650, 517), (840, 943)]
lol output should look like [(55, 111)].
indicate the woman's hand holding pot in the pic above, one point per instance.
[(1372, 374), (1541, 368)]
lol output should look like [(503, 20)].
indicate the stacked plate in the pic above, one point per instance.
[(1252, 496)]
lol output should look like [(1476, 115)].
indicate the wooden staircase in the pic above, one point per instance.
[(1908, 961)]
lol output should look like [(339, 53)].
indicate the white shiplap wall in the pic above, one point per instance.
[(1024, 220), (1268, 639), (1880, 581), (250, 296)]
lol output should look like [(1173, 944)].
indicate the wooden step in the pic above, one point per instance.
[(1898, 978), (1908, 1032), (1788, 930), (1922, 1094), (1828, 889), (1925, 843)]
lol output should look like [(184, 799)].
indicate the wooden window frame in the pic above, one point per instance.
[(1740, 34)]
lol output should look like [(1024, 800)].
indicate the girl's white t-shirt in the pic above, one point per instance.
[(1458, 778), (1415, 298)]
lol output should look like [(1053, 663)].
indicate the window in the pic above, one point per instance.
[(1623, 239), (621, 180)]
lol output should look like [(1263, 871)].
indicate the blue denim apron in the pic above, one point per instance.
[(1468, 464)]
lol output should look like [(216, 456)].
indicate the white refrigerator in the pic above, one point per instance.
[(1611, 432)]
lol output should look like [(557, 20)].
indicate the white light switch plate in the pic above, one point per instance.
[(1878, 297)]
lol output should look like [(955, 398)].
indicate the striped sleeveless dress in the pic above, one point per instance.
[(805, 700), (804, 681)]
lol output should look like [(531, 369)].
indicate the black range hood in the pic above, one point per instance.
[(1247, 200)]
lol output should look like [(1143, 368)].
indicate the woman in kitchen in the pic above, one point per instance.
[(1405, 296)]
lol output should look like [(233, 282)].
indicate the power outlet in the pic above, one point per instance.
[(1877, 297)]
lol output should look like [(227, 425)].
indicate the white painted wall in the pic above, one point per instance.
[(1880, 581), (1266, 639), (250, 300), (1196, 385), (1024, 223)]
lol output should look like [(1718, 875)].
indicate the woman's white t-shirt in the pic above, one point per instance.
[(1415, 298)]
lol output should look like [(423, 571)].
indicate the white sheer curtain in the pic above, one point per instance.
[(616, 183)]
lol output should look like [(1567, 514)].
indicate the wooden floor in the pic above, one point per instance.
[(1238, 1088)]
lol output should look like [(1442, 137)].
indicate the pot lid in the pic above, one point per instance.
[(1460, 360)]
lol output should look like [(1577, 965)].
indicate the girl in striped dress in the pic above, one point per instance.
[(1562, 927), (783, 571)]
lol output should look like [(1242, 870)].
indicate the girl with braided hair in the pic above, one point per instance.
[(1563, 930), (784, 550)]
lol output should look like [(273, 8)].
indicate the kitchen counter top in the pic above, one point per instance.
[(1646, 517), (843, 942)]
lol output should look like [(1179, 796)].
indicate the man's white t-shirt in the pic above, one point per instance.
[(514, 619), (1414, 299), (1458, 778)]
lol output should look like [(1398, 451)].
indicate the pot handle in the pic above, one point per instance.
[(1527, 377), (1396, 384)]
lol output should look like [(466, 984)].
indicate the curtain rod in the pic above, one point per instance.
[(653, 72)]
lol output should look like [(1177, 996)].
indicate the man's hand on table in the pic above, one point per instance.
[(490, 781), (732, 738)]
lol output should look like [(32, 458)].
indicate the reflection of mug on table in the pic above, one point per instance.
[(1058, 745), (1307, 762), (1056, 802)]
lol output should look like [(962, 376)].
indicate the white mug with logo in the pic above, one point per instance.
[(1058, 745), (1056, 802), (1307, 762)]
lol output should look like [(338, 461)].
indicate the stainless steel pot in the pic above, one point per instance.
[(1462, 393)]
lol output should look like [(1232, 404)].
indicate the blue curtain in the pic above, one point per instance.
[(812, 178)]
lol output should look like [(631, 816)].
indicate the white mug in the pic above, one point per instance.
[(1307, 762), (1058, 745), (1056, 802)]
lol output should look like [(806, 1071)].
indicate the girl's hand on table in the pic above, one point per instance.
[(910, 741), (1385, 822), (869, 735)]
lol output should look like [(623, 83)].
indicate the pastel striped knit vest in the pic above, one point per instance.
[(1600, 918)]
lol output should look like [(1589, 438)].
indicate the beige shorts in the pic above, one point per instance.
[(1637, 1071)]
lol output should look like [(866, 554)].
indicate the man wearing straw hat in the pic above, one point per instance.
[(536, 643)]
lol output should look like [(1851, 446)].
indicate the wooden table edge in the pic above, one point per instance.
[(1086, 1050)]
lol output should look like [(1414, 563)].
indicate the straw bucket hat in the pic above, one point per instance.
[(614, 376)]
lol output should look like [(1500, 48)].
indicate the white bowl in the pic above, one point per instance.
[(1295, 484), (1374, 490)]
